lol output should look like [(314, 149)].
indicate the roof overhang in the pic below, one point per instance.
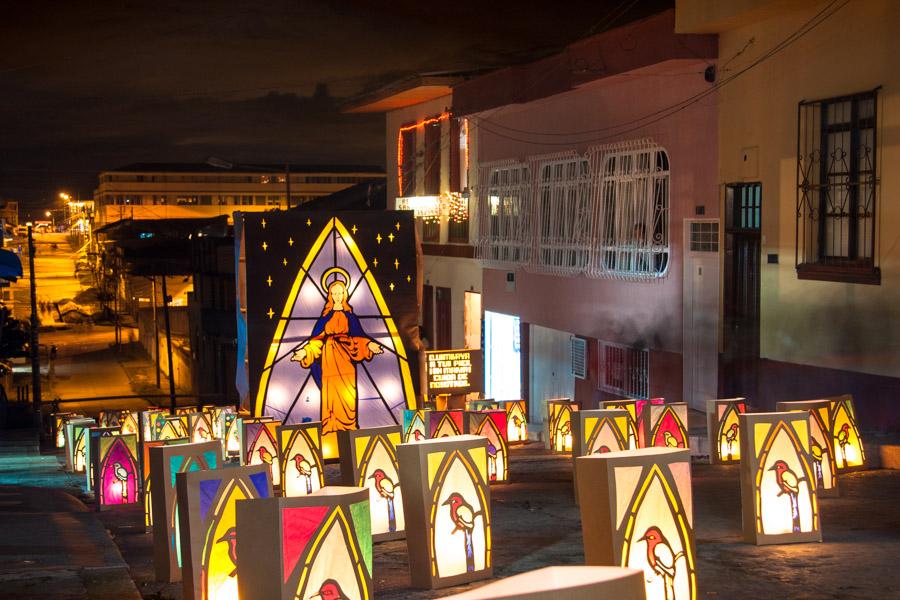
[(403, 93)]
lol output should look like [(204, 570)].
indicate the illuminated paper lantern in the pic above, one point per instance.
[(665, 425), (146, 492), (475, 405), (59, 428), (516, 421), (171, 427), (129, 422), (300, 458), (116, 473), (778, 495), (569, 582), (148, 420), (218, 422), (415, 425), (848, 446), (631, 406), (724, 429), (492, 425), (207, 501), (200, 427), (165, 462), (447, 503), (261, 446), (76, 443), (230, 434), (89, 451), (636, 511), (444, 423), (186, 410), (560, 411), (369, 460), (317, 546), (600, 431), (821, 443)]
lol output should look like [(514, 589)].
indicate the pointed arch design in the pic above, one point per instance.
[(822, 453), (386, 508), (414, 427), (262, 447), (446, 425), (669, 422), (457, 473), (642, 513), (383, 386), (303, 441), (516, 422), (117, 474), (498, 460), (218, 571), (848, 447), (607, 430), (201, 428), (767, 492), (560, 426), (728, 445)]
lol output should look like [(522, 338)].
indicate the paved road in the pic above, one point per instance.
[(54, 270)]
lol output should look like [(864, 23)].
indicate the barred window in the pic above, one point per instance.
[(503, 214), (837, 189), (564, 214), (624, 371)]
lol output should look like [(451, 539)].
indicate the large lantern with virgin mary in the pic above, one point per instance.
[(821, 443), (636, 512), (331, 315), (447, 505), (778, 490)]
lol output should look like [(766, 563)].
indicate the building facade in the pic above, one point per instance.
[(811, 264), (185, 190)]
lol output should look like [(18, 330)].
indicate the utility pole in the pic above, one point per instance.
[(169, 346), (155, 335), (35, 323)]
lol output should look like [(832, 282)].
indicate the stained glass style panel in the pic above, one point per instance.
[(559, 411), (724, 430), (665, 425), (300, 456), (116, 472), (492, 425)]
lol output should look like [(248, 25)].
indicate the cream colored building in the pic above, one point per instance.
[(808, 104), (186, 190)]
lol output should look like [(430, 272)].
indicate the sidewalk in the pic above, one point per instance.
[(52, 544)]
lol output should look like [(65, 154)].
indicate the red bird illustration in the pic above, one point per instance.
[(203, 433), (661, 558), (330, 590), (843, 438), (304, 469), (418, 435), (230, 537), (265, 455), (463, 517), (602, 449), (385, 488), (731, 436), (789, 483)]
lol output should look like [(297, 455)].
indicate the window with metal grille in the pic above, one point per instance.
[(504, 214), (632, 211), (837, 188), (579, 357), (564, 210), (624, 371)]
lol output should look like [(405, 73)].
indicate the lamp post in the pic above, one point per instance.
[(221, 163), (35, 323)]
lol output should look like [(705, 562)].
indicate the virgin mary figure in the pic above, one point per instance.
[(337, 343)]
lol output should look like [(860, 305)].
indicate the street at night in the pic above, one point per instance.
[(360, 300)]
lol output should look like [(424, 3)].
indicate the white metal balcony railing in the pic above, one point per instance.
[(602, 215)]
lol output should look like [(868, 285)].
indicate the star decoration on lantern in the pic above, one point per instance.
[(353, 229), (378, 238), (397, 225), (391, 237), (375, 262), (290, 241), (396, 263), (284, 261), (271, 312), (408, 279), (265, 246), (263, 223), (308, 222), (269, 281), (391, 286)]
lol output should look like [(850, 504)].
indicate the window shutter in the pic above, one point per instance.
[(579, 357)]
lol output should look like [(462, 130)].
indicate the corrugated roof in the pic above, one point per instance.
[(162, 167)]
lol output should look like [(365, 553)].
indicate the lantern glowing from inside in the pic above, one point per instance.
[(516, 421), (492, 425), (300, 458), (600, 431), (369, 460), (317, 546), (848, 446), (200, 427), (665, 425), (218, 421), (90, 449), (447, 503), (171, 427), (145, 472), (165, 462), (559, 412), (445, 423), (231, 426), (261, 446), (778, 493), (148, 420), (77, 452), (476, 405), (636, 511), (415, 425), (821, 443), (186, 410), (553, 583), (129, 422), (59, 428), (634, 440), (116, 473), (207, 501), (724, 429)]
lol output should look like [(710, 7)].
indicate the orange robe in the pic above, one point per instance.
[(338, 352)]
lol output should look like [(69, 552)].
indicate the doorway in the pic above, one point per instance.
[(443, 319), (740, 361), (700, 337)]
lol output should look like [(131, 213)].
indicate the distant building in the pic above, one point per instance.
[(200, 190), (9, 212)]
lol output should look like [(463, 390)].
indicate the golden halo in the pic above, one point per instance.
[(331, 271)]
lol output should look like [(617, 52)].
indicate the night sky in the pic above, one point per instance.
[(87, 86)]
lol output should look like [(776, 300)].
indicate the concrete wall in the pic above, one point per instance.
[(647, 314)]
